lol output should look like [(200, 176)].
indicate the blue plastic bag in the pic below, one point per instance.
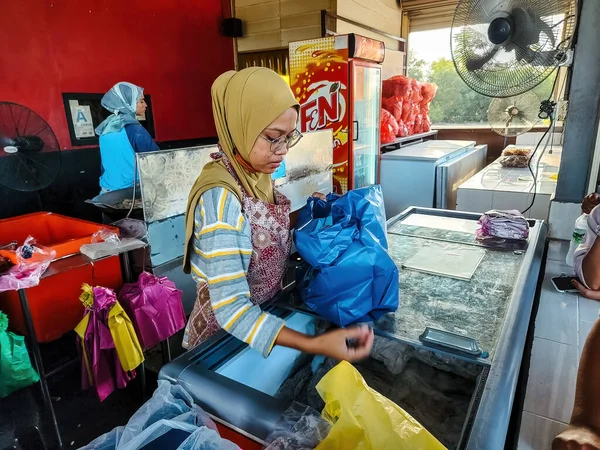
[(350, 278)]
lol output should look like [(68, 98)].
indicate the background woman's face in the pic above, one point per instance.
[(261, 158), (141, 106)]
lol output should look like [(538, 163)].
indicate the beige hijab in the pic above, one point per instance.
[(244, 104)]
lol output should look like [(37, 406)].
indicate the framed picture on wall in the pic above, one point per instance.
[(84, 113)]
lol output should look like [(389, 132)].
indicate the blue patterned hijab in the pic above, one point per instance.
[(121, 101)]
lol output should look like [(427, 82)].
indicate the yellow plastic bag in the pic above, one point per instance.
[(363, 419), (126, 341)]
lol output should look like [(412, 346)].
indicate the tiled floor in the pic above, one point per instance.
[(562, 325)]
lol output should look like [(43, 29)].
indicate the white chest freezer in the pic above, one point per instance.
[(410, 175)]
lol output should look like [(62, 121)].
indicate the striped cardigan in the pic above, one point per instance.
[(221, 257)]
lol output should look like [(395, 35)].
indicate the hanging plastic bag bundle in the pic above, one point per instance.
[(155, 307), (16, 371), (363, 419), (351, 277), (110, 350)]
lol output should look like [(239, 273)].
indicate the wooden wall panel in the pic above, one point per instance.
[(290, 7), (373, 13), (273, 24), (262, 26), (262, 11), (309, 19)]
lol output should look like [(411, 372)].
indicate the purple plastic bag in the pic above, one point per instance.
[(503, 225), (155, 308), (101, 367)]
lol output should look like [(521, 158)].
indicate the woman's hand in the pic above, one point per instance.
[(576, 438), (348, 344), (587, 293), (320, 196), (590, 202)]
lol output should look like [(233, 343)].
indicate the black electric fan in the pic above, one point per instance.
[(29, 151), (503, 48)]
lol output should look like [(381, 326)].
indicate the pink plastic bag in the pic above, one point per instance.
[(155, 308), (33, 260)]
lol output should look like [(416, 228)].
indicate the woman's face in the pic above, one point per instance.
[(141, 106), (261, 158)]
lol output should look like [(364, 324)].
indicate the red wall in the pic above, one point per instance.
[(172, 48)]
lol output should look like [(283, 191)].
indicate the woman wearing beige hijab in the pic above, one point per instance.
[(238, 227)]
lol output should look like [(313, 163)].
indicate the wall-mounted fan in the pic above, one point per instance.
[(512, 116), (29, 150), (503, 48)]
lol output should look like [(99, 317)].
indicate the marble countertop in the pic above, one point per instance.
[(474, 308)]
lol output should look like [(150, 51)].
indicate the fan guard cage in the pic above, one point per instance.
[(504, 123), (28, 169), (515, 67)]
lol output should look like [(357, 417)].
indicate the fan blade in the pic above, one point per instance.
[(475, 64)]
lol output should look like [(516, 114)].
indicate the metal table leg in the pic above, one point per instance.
[(127, 275), (165, 347), (37, 359)]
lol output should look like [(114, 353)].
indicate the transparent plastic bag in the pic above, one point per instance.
[(300, 428), (503, 225), (32, 261), (105, 235), (170, 409), (515, 157), (516, 161), (106, 242)]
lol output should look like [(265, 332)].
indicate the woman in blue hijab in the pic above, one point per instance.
[(121, 135)]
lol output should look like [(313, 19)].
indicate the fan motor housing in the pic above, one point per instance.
[(499, 30)]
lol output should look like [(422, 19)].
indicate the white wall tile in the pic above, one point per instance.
[(541, 207), (510, 200), (473, 200), (562, 219)]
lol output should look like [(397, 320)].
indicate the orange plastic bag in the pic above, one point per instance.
[(388, 127)]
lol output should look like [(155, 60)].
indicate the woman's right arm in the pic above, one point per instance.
[(221, 257)]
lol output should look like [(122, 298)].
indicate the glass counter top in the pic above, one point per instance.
[(474, 308)]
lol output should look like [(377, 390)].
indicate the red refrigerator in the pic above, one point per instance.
[(337, 81)]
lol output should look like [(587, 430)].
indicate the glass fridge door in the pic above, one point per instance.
[(366, 92)]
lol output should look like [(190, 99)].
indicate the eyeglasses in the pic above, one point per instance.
[(281, 145)]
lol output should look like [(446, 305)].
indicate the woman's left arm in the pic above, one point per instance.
[(140, 139)]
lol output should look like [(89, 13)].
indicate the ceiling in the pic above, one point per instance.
[(429, 14)]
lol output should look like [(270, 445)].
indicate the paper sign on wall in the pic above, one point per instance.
[(82, 120)]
